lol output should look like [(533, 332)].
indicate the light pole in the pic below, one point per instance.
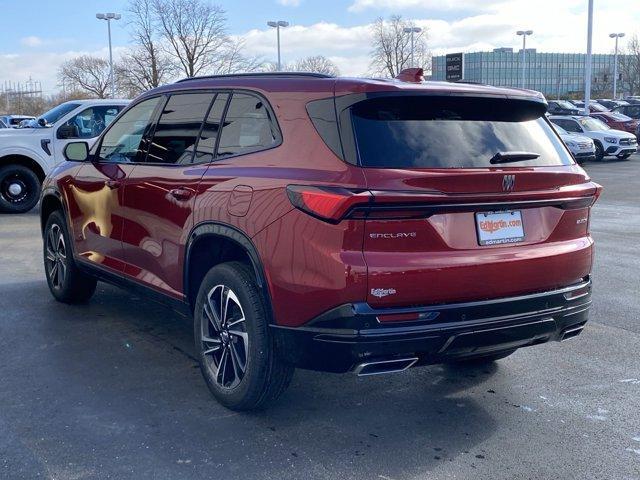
[(615, 64), (524, 34), (412, 30), (108, 17), (277, 25), (587, 66)]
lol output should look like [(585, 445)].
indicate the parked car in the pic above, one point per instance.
[(611, 104), (13, 121), (607, 140), (633, 100), (594, 106), (28, 154), (330, 223), (562, 107), (632, 111), (617, 121), (582, 148)]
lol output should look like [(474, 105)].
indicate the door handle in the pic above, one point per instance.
[(181, 193), (112, 184)]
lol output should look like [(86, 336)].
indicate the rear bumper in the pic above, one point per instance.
[(349, 335)]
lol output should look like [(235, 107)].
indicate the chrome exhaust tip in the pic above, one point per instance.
[(381, 367), (571, 332)]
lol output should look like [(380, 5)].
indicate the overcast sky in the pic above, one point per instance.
[(37, 35)]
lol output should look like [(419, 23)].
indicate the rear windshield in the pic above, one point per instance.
[(453, 132)]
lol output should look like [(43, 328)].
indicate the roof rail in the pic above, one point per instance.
[(259, 74)]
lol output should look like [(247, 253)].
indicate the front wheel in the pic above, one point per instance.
[(599, 151), (235, 349), (19, 189), (66, 282)]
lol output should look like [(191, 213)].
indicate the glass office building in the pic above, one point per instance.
[(553, 74)]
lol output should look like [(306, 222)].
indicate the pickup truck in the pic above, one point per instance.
[(28, 154)]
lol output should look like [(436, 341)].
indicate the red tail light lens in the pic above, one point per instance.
[(326, 203)]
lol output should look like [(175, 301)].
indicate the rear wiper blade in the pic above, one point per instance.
[(506, 157)]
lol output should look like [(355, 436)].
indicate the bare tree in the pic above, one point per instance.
[(629, 66), (232, 60), (391, 51), (194, 32), (316, 64), (86, 73), (602, 84), (145, 66)]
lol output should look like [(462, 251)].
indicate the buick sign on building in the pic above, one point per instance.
[(454, 67)]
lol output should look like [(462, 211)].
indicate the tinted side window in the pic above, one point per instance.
[(247, 126), (570, 126), (124, 140), (178, 128), (205, 151)]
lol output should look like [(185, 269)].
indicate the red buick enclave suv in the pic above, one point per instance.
[(327, 223)]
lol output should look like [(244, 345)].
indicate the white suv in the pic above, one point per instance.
[(28, 154), (607, 140)]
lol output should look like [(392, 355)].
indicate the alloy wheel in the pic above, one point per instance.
[(224, 339), (56, 256)]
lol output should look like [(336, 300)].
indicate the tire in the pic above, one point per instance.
[(482, 359), (599, 151), (19, 189), (66, 282), (243, 343)]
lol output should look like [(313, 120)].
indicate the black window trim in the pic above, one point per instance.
[(155, 116)]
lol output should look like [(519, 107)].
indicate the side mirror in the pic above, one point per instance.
[(77, 151), (42, 122), (67, 131)]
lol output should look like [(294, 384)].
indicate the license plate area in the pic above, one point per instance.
[(499, 228)]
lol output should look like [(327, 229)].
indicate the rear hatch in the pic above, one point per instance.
[(470, 199)]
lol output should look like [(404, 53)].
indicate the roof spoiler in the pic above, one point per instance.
[(413, 75)]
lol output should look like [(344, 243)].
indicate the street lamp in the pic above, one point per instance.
[(277, 25), (587, 66), (524, 34), (412, 30), (108, 17), (615, 63)]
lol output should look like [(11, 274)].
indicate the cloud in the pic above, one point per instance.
[(399, 5), (31, 41), (289, 3), (43, 66)]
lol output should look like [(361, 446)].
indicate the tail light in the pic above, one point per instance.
[(330, 204), (333, 204)]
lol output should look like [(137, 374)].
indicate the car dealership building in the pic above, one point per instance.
[(554, 74)]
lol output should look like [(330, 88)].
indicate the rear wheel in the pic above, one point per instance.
[(19, 189), (599, 151), (66, 282), (482, 359), (235, 349)]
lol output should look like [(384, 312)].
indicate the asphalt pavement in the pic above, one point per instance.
[(111, 389)]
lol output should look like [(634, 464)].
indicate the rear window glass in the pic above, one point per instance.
[(454, 132)]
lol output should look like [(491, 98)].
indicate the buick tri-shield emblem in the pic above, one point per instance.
[(508, 182)]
